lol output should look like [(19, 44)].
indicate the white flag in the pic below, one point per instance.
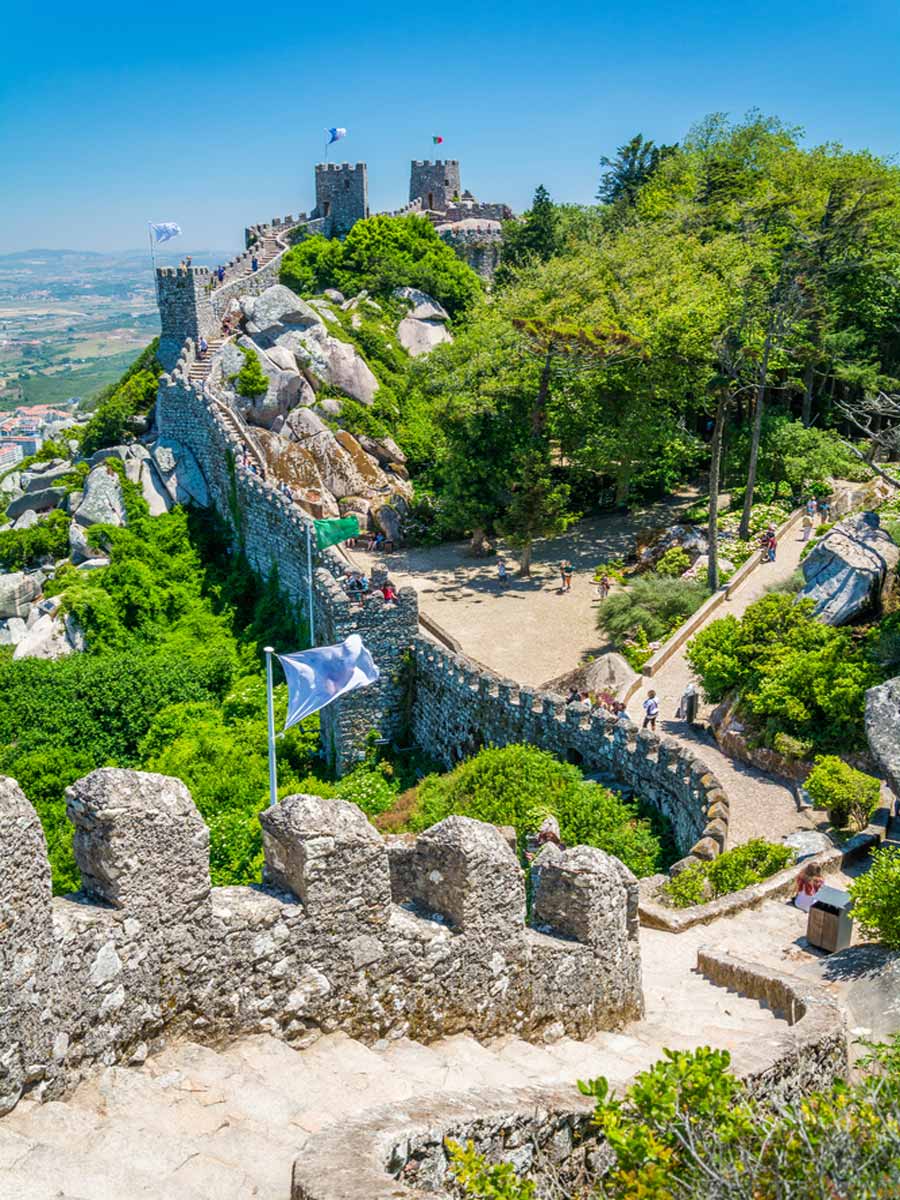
[(163, 230), (335, 133), (316, 677)]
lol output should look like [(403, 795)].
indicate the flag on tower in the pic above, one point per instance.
[(161, 231), (335, 134), (317, 677), (436, 139)]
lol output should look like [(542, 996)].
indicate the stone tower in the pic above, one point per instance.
[(435, 183), (342, 196), (184, 309)]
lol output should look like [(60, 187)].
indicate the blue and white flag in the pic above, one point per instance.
[(163, 230), (335, 135), (316, 677)]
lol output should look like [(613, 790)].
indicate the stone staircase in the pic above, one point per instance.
[(200, 368), (195, 1122), (266, 250)]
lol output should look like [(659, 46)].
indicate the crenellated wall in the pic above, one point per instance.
[(185, 311), (148, 948), (460, 706)]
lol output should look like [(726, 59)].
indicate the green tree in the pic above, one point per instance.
[(251, 380), (533, 238), (632, 167)]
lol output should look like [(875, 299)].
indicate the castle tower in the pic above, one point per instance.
[(342, 196), (185, 310), (435, 183)]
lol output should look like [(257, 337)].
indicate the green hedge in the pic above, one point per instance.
[(850, 796), (750, 863)]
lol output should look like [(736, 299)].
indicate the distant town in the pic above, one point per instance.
[(24, 432)]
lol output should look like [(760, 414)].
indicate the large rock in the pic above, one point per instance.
[(282, 358), (276, 310), (419, 337), (11, 484), (422, 306), (50, 637), (883, 728), (847, 568), (12, 631), (102, 503), (154, 490), (18, 592), (342, 472), (29, 519), (79, 549), (689, 537), (609, 673), (40, 501), (332, 361), (179, 472), (44, 475), (385, 449), (286, 390)]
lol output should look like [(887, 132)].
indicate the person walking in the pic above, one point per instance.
[(565, 574), (651, 710), (220, 273), (773, 546), (603, 587), (202, 346), (254, 263), (502, 573), (824, 511), (807, 527), (811, 507)]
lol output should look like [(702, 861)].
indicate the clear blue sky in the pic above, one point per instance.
[(212, 116)]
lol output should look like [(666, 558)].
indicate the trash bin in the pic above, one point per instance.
[(829, 925), (690, 707)]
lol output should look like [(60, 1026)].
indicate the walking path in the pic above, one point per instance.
[(761, 805)]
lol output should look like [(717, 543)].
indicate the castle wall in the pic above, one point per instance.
[(342, 196), (460, 706), (185, 311), (438, 180), (148, 948)]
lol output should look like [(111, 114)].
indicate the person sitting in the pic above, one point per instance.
[(376, 541), (574, 696), (808, 883)]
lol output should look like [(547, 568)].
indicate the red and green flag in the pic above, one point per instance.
[(338, 529), (436, 139)]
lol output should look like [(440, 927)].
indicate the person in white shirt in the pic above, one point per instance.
[(651, 710)]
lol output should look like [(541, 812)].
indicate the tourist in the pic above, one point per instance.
[(376, 541), (807, 527), (574, 696), (808, 883), (651, 710), (502, 573), (202, 346), (389, 592), (548, 834), (811, 508), (187, 262), (603, 587), (687, 706), (220, 273), (772, 546), (622, 713), (254, 263), (565, 574), (824, 511)]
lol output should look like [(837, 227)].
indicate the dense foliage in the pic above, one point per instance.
[(850, 796), (737, 868), (378, 255), (49, 538), (520, 785), (654, 605), (687, 1129), (876, 897), (250, 381), (793, 674), (134, 393)]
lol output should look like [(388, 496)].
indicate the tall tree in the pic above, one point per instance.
[(531, 240), (633, 165)]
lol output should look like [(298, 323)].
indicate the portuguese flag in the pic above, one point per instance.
[(329, 533), (437, 140)]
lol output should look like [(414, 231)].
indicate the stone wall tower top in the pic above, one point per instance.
[(342, 196), (436, 184)]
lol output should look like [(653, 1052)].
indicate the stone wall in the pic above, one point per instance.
[(342, 196), (272, 533), (148, 948), (460, 706), (434, 183)]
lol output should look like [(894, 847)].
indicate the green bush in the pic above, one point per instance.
[(520, 785), (738, 868), (250, 381), (673, 563), (27, 547), (876, 897), (794, 675), (652, 604), (380, 254), (850, 796), (791, 747)]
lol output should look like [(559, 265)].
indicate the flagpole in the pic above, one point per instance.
[(153, 259), (273, 773), (309, 567)]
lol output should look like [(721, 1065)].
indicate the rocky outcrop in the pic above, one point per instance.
[(425, 326), (51, 636), (883, 728), (179, 472), (103, 502), (847, 568), (688, 537), (39, 501), (18, 592), (608, 673), (275, 311), (44, 475), (334, 362), (12, 631)]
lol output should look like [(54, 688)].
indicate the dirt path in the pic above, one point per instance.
[(761, 806), (528, 630)]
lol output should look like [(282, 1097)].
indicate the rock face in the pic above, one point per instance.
[(18, 592), (846, 570), (44, 475), (50, 637), (12, 631), (688, 537), (332, 361), (276, 310), (102, 503), (179, 472), (426, 324), (883, 728), (38, 501), (609, 673)]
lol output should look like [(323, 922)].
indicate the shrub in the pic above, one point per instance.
[(738, 868), (27, 547), (876, 897), (791, 747), (520, 785), (674, 562), (251, 380), (850, 796), (653, 604), (111, 421)]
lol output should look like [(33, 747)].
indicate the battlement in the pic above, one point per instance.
[(438, 162), (337, 937), (342, 168)]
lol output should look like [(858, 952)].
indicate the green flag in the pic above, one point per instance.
[(329, 533)]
